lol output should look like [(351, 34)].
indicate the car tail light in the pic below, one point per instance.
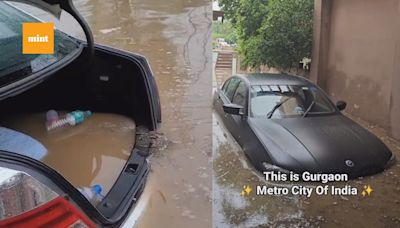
[(26, 202), (56, 213)]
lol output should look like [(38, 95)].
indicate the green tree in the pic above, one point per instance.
[(224, 30), (230, 8), (287, 32), (275, 32), (247, 17)]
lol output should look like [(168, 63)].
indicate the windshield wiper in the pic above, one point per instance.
[(269, 115), (308, 109)]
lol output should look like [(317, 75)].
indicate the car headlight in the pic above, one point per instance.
[(391, 161), (270, 167)]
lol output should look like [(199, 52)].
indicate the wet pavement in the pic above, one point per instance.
[(175, 36), (232, 172)]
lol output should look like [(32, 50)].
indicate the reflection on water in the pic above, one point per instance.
[(232, 172), (175, 38), (93, 152), (19, 193), (382, 209)]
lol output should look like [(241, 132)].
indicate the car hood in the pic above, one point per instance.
[(327, 144)]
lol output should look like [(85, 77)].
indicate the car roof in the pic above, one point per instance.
[(273, 79)]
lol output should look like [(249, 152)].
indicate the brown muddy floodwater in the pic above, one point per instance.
[(232, 172), (93, 152), (175, 36)]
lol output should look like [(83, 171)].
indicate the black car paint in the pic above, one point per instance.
[(151, 87), (114, 63), (318, 144), (69, 80), (131, 181), (99, 97)]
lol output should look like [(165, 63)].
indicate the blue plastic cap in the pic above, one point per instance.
[(97, 188), (88, 113)]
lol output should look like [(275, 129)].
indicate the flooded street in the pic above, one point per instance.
[(382, 209), (232, 172), (198, 171), (175, 36)]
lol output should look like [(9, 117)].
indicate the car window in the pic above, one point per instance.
[(225, 86), (297, 99), (240, 94), (231, 88), (13, 64)]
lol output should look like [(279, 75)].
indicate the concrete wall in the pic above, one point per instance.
[(356, 57)]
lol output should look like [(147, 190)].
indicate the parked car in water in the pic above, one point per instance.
[(79, 75), (287, 123)]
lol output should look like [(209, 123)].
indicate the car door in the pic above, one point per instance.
[(219, 97), (225, 96), (239, 122)]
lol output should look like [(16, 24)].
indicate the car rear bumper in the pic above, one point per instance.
[(128, 187)]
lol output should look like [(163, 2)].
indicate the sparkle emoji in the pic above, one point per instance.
[(367, 190), (246, 191)]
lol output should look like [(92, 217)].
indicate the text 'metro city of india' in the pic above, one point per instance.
[(320, 184)]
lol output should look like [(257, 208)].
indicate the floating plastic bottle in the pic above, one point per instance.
[(93, 194), (51, 116), (70, 119)]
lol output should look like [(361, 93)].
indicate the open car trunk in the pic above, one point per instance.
[(101, 150), (94, 152)]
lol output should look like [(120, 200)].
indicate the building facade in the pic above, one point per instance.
[(356, 57)]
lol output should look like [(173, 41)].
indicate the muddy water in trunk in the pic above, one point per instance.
[(93, 152), (175, 37)]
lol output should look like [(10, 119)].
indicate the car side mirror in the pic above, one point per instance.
[(341, 105), (233, 109)]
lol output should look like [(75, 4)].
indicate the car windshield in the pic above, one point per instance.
[(294, 101), (13, 64)]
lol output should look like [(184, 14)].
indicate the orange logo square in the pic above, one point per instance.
[(37, 38)]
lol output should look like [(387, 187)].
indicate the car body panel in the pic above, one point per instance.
[(151, 86), (49, 6), (241, 131), (328, 143), (117, 204)]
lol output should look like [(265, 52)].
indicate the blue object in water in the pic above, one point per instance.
[(20, 143), (97, 189)]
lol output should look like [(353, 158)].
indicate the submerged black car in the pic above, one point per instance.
[(287, 123)]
